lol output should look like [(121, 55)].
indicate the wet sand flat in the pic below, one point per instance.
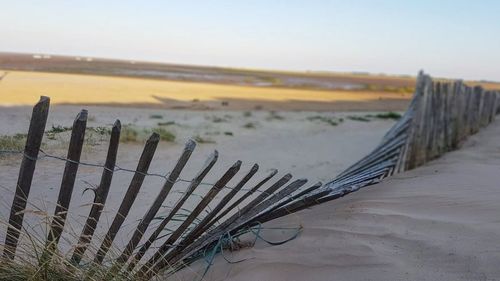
[(24, 88)]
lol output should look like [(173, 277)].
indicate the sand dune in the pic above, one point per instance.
[(437, 222)]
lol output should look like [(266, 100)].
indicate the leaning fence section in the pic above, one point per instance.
[(441, 115), (439, 118)]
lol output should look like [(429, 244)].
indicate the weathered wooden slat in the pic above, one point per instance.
[(150, 214), (476, 109), (418, 135), (130, 196), (450, 115), (411, 130), (256, 201), (23, 186), (486, 108), (253, 213), (433, 108), (458, 113), (373, 172), (440, 120), (424, 123), (494, 104), (497, 111), (218, 186), (246, 195), (376, 156), (289, 200), (468, 114), (67, 183), (101, 194), (192, 187), (491, 107), (296, 206), (208, 220)]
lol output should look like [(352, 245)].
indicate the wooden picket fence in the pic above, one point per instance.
[(440, 116), (182, 237)]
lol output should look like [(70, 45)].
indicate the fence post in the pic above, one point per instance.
[(477, 93), (130, 196), (494, 104), (101, 193), (454, 111), (31, 149), (67, 183)]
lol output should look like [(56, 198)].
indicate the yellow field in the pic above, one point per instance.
[(24, 88)]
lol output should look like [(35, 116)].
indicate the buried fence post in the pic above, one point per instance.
[(33, 143)]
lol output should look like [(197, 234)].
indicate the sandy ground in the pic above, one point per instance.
[(437, 222), (288, 141)]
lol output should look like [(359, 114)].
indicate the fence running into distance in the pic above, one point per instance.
[(440, 116)]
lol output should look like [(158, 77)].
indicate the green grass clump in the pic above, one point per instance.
[(15, 142), (41, 261), (165, 135), (228, 133), (247, 114), (274, 116), (22, 272), (155, 116), (57, 129), (129, 134), (389, 115), (168, 123), (390, 89), (358, 118), (200, 139), (324, 119), (249, 125), (217, 119)]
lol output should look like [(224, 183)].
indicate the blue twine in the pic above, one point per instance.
[(227, 239)]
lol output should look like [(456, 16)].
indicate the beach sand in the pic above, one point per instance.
[(437, 222)]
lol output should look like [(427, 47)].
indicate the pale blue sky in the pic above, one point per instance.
[(448, 38)]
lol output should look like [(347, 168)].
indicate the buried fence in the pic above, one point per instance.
[(440, 116)]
